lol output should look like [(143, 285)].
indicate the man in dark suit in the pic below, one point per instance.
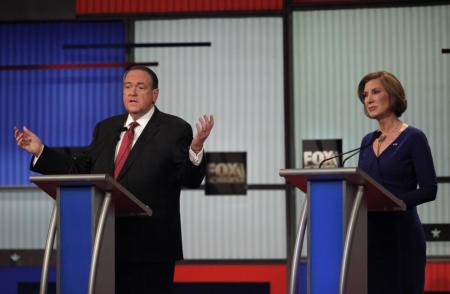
[(150, 153)]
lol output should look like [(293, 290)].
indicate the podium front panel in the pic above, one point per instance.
[(75, 238), (326, 235), (86, 215)]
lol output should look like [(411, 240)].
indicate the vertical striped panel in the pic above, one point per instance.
[(24, 218), (213, 227), (173, 6), (239, 79), (334, 49), (60, 105), (250, 227)]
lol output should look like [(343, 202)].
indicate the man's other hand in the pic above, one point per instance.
[(204, 127)]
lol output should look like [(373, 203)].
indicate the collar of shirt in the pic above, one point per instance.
[(142, 121)]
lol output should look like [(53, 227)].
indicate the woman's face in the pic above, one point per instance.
[(376, 100)]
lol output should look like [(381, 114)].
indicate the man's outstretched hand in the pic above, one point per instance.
[(204, 127), (28, 141)]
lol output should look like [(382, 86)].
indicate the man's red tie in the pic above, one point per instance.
[(124, 149)]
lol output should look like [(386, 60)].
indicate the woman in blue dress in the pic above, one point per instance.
[(400, 160)]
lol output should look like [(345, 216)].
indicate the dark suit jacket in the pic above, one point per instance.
[(157, 167)]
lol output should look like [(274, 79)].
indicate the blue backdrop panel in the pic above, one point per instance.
[(60, 105), (326, 236)]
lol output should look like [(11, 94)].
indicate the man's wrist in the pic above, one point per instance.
[(37, 155), (196, 157), (196, 149)]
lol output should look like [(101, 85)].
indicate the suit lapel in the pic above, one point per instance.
[(150, 130), (110, 149)]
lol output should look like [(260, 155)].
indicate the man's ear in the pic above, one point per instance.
[(155, 93)]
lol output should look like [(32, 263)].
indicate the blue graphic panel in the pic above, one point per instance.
[(60, 105)]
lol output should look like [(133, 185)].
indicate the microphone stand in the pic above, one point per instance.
[(376, 135)]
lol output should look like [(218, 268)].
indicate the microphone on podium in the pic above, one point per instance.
[(119, 131), (375, 136)]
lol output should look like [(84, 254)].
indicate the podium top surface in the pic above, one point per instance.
[(125, 203), (378, 197)]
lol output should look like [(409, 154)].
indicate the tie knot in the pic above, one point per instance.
[(132, 126)]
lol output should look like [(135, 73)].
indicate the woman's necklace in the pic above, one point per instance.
[(384, 135), (380, 141)]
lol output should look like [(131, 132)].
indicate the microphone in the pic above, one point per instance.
[(375, 136), (121, 129), (118, 131)]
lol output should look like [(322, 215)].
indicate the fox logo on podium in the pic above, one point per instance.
[(315, 151), (226, 173)]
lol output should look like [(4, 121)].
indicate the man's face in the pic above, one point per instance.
[(138, 93)]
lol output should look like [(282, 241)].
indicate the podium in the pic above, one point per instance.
[(84, 218), (335, 212)]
